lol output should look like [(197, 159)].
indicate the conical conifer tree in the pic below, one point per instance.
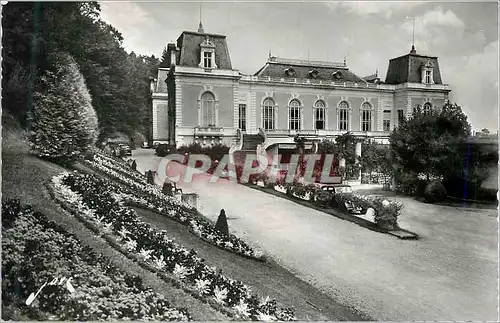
[(221, 224), (63, 123)]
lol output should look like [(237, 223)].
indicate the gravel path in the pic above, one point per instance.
[(450, 274)]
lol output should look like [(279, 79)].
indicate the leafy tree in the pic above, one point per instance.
[(344, 147), (431, 144), (118, 82), (375, 157), (63, 124), (164, 62)]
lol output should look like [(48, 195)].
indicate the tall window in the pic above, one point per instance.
[(387, 120), (294, 116), (320, 115), (428, 77), (207, 110), (343, 116), (427, 108), (207, 59), (242, 112), (401, 116), (366, 117), (268, 114)]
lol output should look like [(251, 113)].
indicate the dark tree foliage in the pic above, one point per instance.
[(221, 224), (118, 82), (63, 123), (164, 62), (432, 143)]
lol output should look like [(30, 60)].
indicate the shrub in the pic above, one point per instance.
[(150, 177), (221, 224), (435, 192), (63, 123), (215, 152)]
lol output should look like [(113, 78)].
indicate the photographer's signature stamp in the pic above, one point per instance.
[(55, 281)]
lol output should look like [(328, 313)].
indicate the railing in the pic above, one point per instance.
[(306, 62), (289, 80), (321, 133), (208, 131)]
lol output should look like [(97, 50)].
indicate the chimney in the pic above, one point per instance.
[(200, 28), (172, 52)]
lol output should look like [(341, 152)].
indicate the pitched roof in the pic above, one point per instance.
[(190, 51), (406, 68), (277, 67)]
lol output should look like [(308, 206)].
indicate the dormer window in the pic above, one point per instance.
[(313, 74), (427, 72), (207, 60), (428, 77), (290, 72), (337, 75), (207, 57)]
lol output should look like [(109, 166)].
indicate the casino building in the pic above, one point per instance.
[(202, 98)]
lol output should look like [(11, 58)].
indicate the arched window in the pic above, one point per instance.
[(268, 114), (320, 115), (208, 110), (343, 116), (427, 108), (366, 117), (294, 116)]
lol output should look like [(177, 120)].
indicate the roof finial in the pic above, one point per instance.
[(200, 27), (413, 51), (376, 72), (269, 53), (345, 60)]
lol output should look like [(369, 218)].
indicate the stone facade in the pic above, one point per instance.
[(197, 100)]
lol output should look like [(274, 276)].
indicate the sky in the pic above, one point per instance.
[(464, 36)]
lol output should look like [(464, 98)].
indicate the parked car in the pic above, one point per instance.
[(346, 190), (145, 144), (124, 150), (156, 144), (163, 150)]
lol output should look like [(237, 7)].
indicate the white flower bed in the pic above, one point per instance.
[(94, 200), (153, 198)]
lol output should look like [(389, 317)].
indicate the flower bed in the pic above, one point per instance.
[(95, 200), (386, 212), (36, 251), (119, 167), (151, 197)]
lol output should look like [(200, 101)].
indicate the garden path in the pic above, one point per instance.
[(449, 274)]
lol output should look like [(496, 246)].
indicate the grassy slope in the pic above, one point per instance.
[(23, 177)]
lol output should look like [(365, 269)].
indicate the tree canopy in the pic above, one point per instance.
[(431, 143), (118, 82)]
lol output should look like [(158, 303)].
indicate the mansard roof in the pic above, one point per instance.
[(407, 68), (190, 51), (302, 69)]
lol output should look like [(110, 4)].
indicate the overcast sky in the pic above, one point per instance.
[(463, 35)]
